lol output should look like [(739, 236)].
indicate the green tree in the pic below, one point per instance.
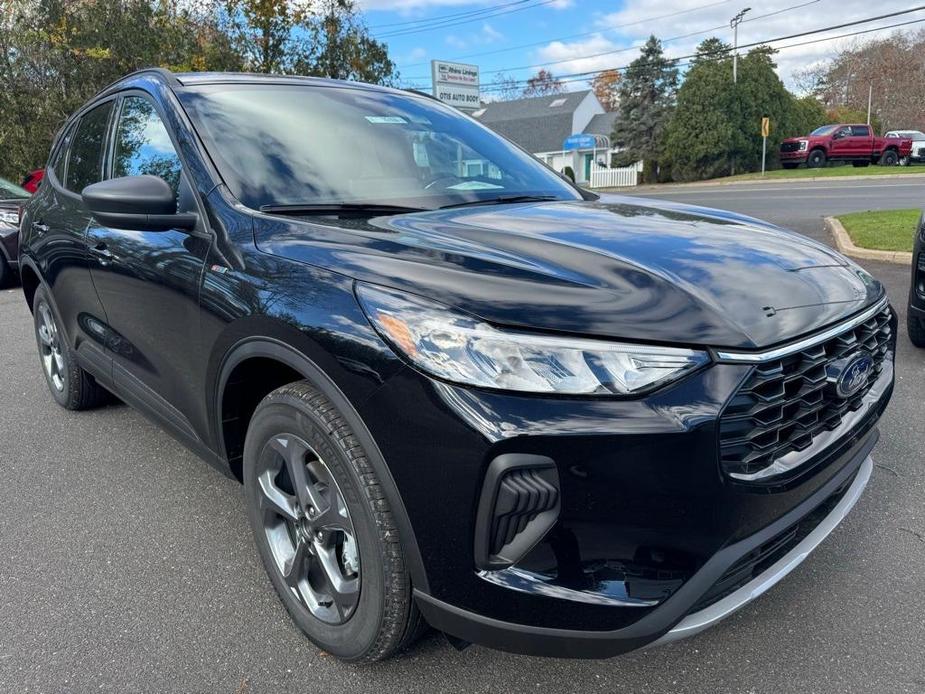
[(648, 93), (341, 47), (264, 31), (718, 123), (56, 54)]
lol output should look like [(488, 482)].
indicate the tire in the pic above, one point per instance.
[(5, 272), (860, 164), (889, 158), (916, 329), (816, 159), (351, 594), (789, 165), (70, 386), (905, 161)]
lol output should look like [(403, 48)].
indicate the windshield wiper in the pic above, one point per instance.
[(336, 208), (503, 199)]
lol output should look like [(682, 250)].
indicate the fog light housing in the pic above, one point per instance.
[(519, 504)]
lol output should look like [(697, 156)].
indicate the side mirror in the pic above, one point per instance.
[(143, 203)]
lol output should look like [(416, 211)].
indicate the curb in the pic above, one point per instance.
[(845, 245), (766, 181)]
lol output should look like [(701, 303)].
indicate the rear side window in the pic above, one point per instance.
[(85, 163), (143, 145), (860, 131)]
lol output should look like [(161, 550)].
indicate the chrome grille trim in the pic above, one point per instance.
[(794, 347)]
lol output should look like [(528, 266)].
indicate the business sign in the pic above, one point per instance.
[(579, 141), (456, 84)]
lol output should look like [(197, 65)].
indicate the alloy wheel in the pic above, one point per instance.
[(308, 528), (50, 348)]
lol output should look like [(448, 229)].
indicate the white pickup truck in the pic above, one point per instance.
[(918, 145)]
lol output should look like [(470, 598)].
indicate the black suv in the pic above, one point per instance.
[(454, 386)]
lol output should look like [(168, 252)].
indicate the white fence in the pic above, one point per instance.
[(614, 178)]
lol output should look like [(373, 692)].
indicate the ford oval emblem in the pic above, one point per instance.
[(851, 374)]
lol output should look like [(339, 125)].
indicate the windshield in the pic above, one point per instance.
[(11, 191), (308, 145), (824, 130)]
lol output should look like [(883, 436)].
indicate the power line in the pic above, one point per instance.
[(583, 76), (747, 45), (589, 33), (639, 45), (452, 23), (467, 13)]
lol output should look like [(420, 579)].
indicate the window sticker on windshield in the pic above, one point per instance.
[(398, 120), (475, 185)]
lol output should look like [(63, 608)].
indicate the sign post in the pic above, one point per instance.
[(765, 131), (456, 84)]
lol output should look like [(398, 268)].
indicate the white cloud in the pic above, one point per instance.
[(632, 25), (483, 37)]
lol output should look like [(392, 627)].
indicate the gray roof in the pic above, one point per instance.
[(534, 123), (601, 124)]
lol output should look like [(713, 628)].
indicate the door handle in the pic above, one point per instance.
[(39, 228)]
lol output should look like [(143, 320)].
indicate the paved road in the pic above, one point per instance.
[(126, 565)]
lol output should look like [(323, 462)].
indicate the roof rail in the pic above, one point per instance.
[(166, 74)]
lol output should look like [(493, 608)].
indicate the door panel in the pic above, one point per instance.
[(58, 230), (148, 282)]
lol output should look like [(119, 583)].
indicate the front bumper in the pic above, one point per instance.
[(797, 157), (649, 524), (674, 619)]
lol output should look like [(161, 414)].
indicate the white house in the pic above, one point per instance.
[(569, 129)]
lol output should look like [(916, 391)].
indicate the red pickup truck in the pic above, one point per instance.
[(840, 142)]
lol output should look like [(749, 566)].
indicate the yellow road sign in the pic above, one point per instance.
[(765, 127)]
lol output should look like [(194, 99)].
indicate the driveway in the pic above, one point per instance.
[(126, 563)]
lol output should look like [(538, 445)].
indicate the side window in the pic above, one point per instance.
[(142, 144), (860, 131), (59, 156), (85, 162)]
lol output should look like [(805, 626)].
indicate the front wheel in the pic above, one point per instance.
[(323, 527), (889, 158), (816, 159)]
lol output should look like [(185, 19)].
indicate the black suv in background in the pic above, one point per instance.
[(454, 386)]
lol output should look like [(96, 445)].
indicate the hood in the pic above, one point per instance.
[(625, 268)]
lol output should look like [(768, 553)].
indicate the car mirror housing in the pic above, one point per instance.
[(144, 203)]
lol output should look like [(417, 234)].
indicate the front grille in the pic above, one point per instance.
[(784, 404), (790, 147), (767, 554)]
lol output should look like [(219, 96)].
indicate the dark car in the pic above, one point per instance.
[(454, 386), (12, 198), (915, 316)]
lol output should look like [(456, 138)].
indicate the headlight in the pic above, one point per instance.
[(457, 347), (803, 145), (10, 217)]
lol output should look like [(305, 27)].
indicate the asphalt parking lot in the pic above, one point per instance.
[(126, 563)]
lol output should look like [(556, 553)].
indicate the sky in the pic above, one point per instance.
[(518, 37)]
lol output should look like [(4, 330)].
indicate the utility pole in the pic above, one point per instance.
[(870, 98), (734, 23)]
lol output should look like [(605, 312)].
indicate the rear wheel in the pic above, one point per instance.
[(889, 158), (324, 529), (70, 386), (816, 159)]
